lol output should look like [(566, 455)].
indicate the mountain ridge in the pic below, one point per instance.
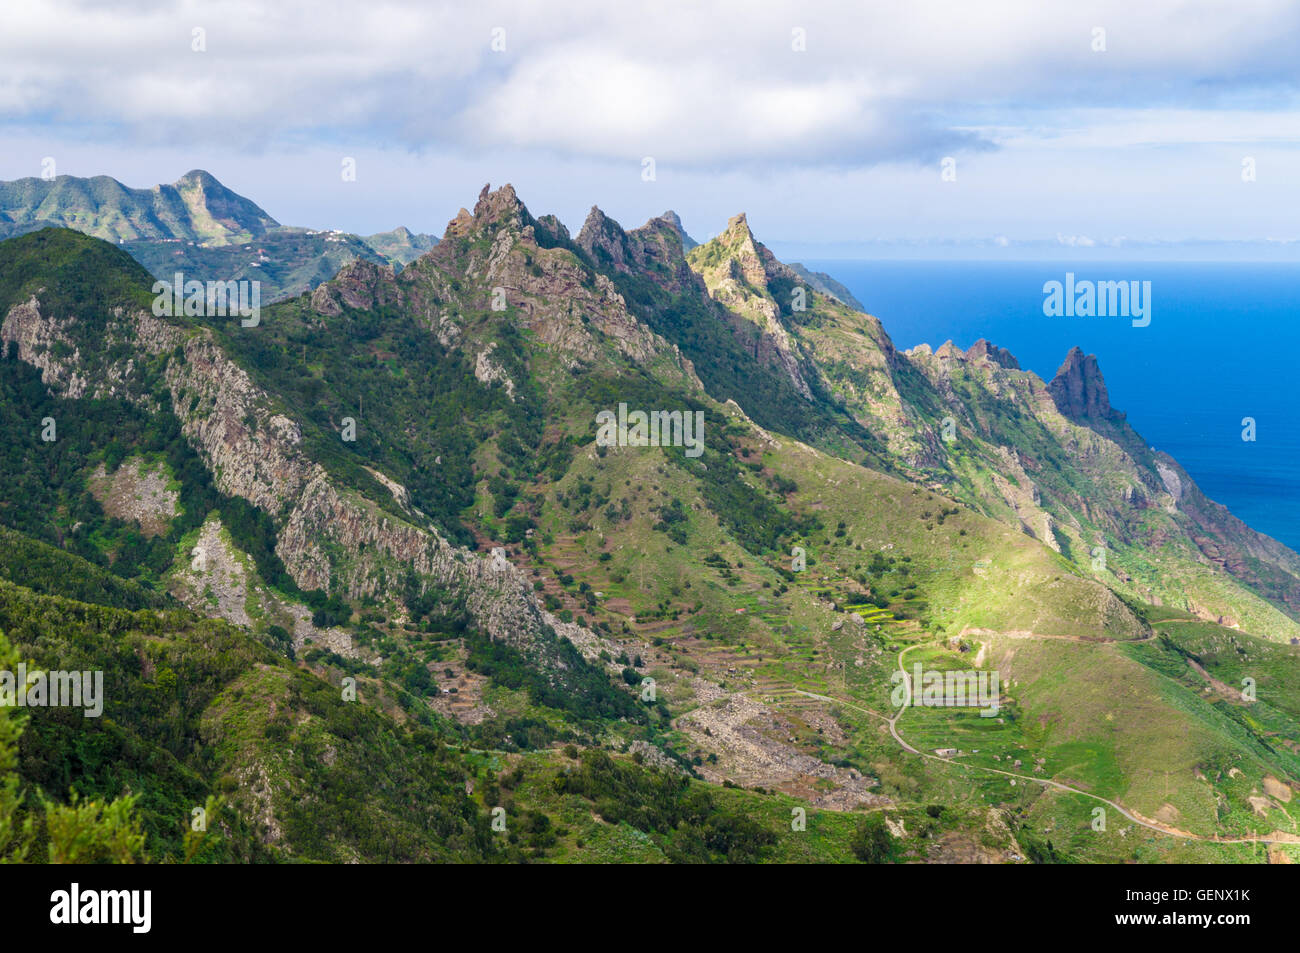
[(474, 529), (201, 228)]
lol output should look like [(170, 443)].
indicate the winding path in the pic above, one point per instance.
[(1046, 782)]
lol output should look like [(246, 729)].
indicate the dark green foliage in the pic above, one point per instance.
[(371, 789), (79, 275), (871, 842), (50, 571), (750, 513), (50, 480), (672, 520), (513, 734), (160, 672), (381, 794), (420, 411), (687, 821), (568, 682)]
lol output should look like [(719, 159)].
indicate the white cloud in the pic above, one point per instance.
[(694, 83)]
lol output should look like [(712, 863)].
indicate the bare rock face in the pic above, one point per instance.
[(982, 350), (654, 251), (380, 549), (488, 371), (546, 287), (136, 492), (737, 275), (739, 730), (1079, 391), (602, 237), (38, 339), (553, 228), (330, 537), (359, 284), (501, 207)]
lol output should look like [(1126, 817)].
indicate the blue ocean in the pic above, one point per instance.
[(1222, 345)]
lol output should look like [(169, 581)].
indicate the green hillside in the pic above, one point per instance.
[(670, 654)]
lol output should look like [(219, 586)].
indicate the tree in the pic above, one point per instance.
[(871, 840), (78, 832), (14, 836)]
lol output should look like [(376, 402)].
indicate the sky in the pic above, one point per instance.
[(926, 129)]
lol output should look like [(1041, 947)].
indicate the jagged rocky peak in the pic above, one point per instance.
[(673, 219), (983, 350), (739, 254), (655, 248), (737, 233), (1079, 389), (555, 227), (500, 208), (503, 205), (602, 237), (950, 352)]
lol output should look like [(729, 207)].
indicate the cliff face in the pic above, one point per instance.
[(1080, 391), (330, 537), (656, 250), (36, 336), (745, 278), (983, 350)]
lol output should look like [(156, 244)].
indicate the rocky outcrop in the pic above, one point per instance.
[(739, 272), (359, 285), (982, 350), (675, 221), (488, 371), (38, 340), (136, 492), (1080, 391), (381, 549), (654, 251), (330, 538), (604, 240), (541, 284)]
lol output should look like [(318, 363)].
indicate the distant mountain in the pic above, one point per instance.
[(200, 228), (400, 246), (827, 285), (195, 208), (287, 261), (687, 242)]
